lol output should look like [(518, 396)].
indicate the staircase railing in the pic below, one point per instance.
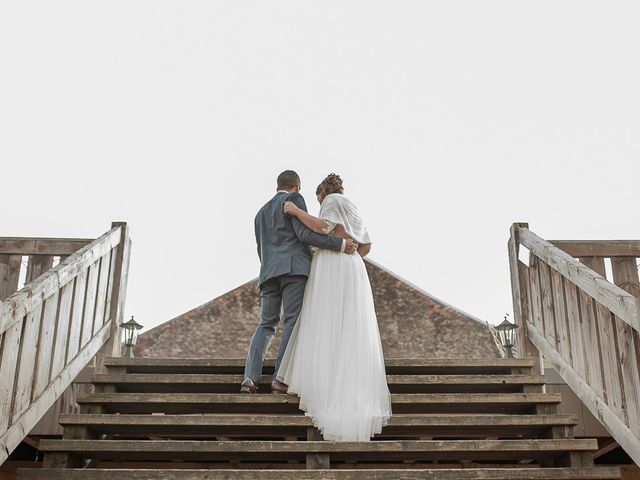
[(585, 325), (54, 326)]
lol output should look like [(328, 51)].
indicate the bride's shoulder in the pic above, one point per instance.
[(338, 199)]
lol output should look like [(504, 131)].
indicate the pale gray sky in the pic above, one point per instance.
[(447, 120)]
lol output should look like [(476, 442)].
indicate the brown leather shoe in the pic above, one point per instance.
[(278, 387), (248, 386)]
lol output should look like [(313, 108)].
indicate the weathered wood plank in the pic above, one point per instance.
[(102, 291), (9, 356), (90, 303), (599, 248), (42, 246), (596, 264), (548, 307), (141, 403), (596, 405), (625, 274), (397, 383), (252, 425), (23, 425), (180, 446), (521, 297), (429, 365), (26, 368), (77, 315), (18, 305), (112, 271), (38, 264), (45, 344), (575, 328), (118, 296), (536, 294), (9, 274), (59, 356), (318, 451), (623, 304), (563, 340), (591, 344), (584, 473), (613, 383)]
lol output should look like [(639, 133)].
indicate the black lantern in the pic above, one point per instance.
[(507, 332), (130, 336)]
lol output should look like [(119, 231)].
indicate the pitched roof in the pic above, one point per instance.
[(412, 323)]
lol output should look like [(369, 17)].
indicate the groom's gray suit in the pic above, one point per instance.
[(285, 258)]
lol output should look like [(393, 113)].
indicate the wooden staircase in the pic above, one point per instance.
[(152, 418)]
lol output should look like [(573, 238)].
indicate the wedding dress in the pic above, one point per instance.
[(334, 358)]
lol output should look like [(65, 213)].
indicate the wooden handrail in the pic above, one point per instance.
[(41, 246), (598, 287), (62, 320), (585, 325)]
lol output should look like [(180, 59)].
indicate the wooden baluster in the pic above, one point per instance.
[(90, 303), (590, 343), (625, 275), (102, 291), (38, 264), (548, 307), (9, 274), (9, 359), (560, 308), (536, 295), (613, 381), (45, 344), (575, 327), (77, 314), (10, 340), (62, 333), (26, 367)]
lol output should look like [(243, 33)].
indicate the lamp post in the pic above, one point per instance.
[(130, 336), (507, 332)]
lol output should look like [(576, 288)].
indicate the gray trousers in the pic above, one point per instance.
[(286, 293)]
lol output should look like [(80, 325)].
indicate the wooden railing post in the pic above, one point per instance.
[(112, 347), (521, 301)]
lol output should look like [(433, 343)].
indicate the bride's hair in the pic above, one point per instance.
[(331, 184)]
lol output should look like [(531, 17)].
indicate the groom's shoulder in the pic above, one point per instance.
[(296, 198)]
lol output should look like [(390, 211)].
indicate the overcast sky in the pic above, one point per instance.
[(447, 120)]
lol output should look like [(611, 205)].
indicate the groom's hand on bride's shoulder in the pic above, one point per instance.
[(351, 247)]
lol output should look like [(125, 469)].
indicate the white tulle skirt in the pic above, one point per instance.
[(334, 359)]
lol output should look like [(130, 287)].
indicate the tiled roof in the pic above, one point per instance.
[(412, 324)]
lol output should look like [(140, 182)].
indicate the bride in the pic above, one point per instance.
[(334, 360)]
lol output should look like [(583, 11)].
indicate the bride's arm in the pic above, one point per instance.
[(364, 249), (313, 223)]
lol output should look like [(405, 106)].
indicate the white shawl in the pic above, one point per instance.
[(338, 209)]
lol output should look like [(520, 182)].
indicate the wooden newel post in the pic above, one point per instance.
[(521, 302), (113, 345)]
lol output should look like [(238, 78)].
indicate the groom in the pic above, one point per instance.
[(285, 260)]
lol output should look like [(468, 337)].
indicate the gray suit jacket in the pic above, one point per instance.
[(283, 241)]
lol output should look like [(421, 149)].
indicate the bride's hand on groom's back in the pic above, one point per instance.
[(351, 247), (290, 208)]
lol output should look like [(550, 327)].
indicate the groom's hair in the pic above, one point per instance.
[(287, 180)]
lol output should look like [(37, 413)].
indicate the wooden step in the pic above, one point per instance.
[(379, 451), (394, 366), (600, 473), (229, 425), (268, 403), (224, 383)]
